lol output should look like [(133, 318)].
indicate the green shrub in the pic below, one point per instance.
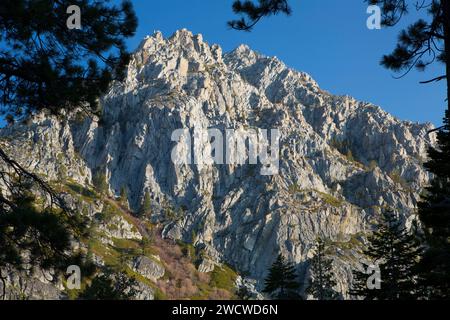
[(223, 278), (100, 183), (146, 207), (107, 213), (329, 199)]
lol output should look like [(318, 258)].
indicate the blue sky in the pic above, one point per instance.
[(326, 38)]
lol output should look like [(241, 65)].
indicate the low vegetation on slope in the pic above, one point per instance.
[(181, 279)]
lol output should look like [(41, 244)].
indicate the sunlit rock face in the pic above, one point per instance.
[(341, 161)]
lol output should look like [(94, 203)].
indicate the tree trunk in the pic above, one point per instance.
[(446, 5)]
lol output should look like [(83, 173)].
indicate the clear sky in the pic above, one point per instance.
[(326, 38)]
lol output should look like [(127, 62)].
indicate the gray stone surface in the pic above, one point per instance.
[(239, 216), (148, 268)]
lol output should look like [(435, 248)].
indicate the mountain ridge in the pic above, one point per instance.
[(341, 161)]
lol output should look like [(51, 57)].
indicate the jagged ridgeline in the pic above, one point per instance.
[(341, 162)]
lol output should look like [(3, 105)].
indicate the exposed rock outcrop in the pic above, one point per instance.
[(148, 268), (341, 161)]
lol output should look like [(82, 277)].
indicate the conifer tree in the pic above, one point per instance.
[(423, 43), (281, 283), (434, 213), (361, 281), (46, 66), (34, 237), (255, 12), (110, 286), (146, 206), (123, 193), (322, 279), (396, 252), (100, 183), (123, 196)]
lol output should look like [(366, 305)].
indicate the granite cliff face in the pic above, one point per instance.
[(341, 161)]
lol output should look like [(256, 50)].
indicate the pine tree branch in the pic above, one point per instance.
[(434, 79)]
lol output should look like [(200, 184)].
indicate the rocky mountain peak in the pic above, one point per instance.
[(341, 161)]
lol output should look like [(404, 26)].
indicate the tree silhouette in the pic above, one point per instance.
[(423, 43), (322, 279), (45, 66), (397, 253), (434, 213), (110, 286), (255, 12), (31, 237), (281, 282)]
